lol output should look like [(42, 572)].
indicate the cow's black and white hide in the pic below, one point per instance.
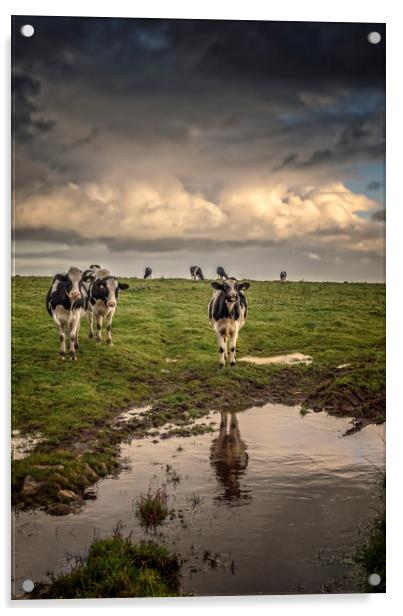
[(103, 297), (221, 273), (283, 276), (66, 301), (228, 310), (147, 273)]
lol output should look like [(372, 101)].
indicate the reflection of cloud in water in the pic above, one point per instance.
[(229, 458)]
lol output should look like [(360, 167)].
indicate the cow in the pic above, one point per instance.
[(66, 301), (227, 310), (147, 273), (196, 272), (283, 276), (229, 456), (103, 297), (221, 273), (88, 277)]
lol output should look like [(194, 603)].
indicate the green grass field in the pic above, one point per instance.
[(73, 405)]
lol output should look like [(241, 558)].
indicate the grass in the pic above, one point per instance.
[(74, 405), (116, 567), (371, 555), (152, 508)]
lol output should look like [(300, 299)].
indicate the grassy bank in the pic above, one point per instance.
[(165, 354), (116, 567)]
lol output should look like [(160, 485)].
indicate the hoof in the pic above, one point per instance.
[(73, 358), (109, 343), (99, 341), (233, 363), (62, 358), (221, 366), (90, 335)]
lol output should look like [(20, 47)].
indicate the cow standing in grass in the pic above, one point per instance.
[(283, 276), (221, 273), (103, 296), (88, 278), (147, 273), (227, 310), (66, 301), (196, 272)]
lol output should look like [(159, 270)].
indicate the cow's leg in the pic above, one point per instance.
[(232, 345), (108, 322), (62, 338), (73, 327), (77, 332), (222, 345), (90, 323), (99, 319)]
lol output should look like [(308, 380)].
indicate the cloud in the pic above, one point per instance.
[(165, 213), (182, 135), (379, 215), (375, 185)]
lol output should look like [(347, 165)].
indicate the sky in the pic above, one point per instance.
[(258, 146)]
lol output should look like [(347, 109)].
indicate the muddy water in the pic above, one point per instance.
[(270, 502)]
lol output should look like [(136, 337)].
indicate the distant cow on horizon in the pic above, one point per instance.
[(227, 310), (221, 273), (147, 273), (283, 276), (196, 272)]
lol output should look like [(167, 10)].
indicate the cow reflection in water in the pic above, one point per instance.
[(229, 457)]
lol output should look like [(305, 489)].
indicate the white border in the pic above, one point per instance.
[(309, 10)]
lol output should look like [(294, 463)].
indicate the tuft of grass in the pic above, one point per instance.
[(371, 556), (116, 567), (152, 508), (195, 500)]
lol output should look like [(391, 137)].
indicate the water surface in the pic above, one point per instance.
[(270, 502)]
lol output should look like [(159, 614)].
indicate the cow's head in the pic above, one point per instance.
[(231, 288), (73, 283), (112, 287)]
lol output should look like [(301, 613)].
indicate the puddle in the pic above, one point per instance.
[(291, 358), (132, 413), (269, 503), (23, 445)]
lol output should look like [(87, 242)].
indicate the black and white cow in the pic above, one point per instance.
[(221, 273), (283, 276), (66, 301), (147, 273), (88, 277), (227, 310), (196, 272), (103, 297)]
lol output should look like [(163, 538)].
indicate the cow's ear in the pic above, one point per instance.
[(61, 277), (123, 286), (87, 275), (243, 286), (217, 285)]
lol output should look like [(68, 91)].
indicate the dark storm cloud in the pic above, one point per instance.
[(375, 185), (24, 91), (379, 215), (46, 234), (362, 139)]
